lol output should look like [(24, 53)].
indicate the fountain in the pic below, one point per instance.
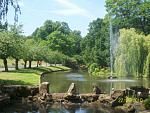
[(113, 44)]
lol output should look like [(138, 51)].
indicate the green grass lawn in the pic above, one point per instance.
[(26, 76)]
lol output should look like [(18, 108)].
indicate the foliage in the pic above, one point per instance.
[(92, 67), (147, 103), (58, 41), (130, 14), (6, 44), (95, 70), (147, 60), (4, 8), (95, 46), (79, 59), (59, 37), (74, 38), (131, 53), (18, 41), (49, 27)]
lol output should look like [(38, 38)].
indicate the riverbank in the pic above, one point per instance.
[(27, 76)]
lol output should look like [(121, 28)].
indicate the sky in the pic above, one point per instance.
[(77, 13)]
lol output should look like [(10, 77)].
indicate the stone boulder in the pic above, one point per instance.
[(72, 89), (115, 94), (44, 88), (140, 91), (119, 98), (4, 100), (119, 101), (73, 98), (15, 91), (89, 97), (105, 98), (96, 89)]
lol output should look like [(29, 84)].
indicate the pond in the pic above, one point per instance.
[(60, 81), (19, 107)]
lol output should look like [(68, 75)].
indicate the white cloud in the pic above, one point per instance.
[(71, 9)]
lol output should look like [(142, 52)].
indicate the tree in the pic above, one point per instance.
[(4, 8), (130, 14), (18, 43), (58, 42), (147, 59), (74, 38), (6, 47), (129, 57), (95, 46), (29, 51), (49, 27)]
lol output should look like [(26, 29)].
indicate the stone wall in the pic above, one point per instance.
[(15, 91)]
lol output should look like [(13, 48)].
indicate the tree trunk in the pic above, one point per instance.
[(16, 64), (30, 62), (5, 64), (37, 64), (25, 64)]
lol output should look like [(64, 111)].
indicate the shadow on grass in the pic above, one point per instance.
[(13, 82), (36, 70)]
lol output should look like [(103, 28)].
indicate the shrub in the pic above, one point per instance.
[(147, 103), (92, 67)]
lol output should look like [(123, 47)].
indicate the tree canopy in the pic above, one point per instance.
[(130, 14), (95, 46)]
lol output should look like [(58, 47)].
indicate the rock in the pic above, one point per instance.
[(73, 98), (119, 98), (49, 98), (121, 109), (145, 111), (119, 101), (33, 90), (138, 106), (4, 100), (115, 94), (72, 89), (44, 88), (89, 97), (105, 99), (58, 95), (129, 92), (96, 89), (140, 91), (15, 91)]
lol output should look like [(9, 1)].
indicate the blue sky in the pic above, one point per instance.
[(77, 13)]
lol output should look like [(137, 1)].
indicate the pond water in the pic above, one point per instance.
[(19, 107), (60, 81)]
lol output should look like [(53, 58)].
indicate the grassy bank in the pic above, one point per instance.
[(27, 76)]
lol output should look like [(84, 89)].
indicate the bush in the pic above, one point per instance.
[(92, 67), (147, 103)]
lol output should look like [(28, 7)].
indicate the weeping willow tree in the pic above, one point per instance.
[(4, 5), (129, 58), (147, 60)]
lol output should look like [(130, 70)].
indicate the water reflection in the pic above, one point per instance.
[(19, 107), (60, 82)]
